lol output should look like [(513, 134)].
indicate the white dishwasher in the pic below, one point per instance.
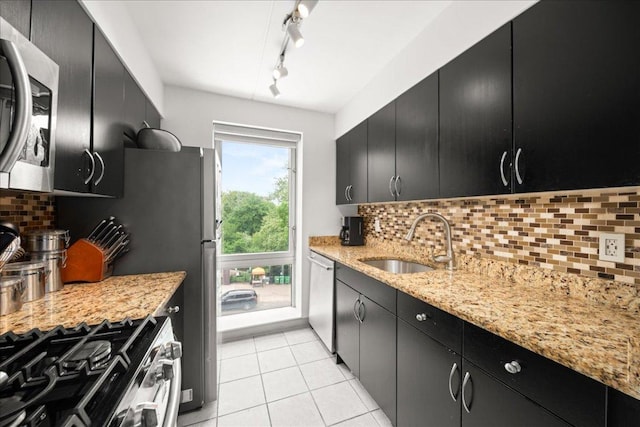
[(321, 290)]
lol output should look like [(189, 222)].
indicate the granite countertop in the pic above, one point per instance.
[(114, 299), (601, 341)]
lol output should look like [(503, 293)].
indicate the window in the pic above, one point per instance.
[(257, 233)]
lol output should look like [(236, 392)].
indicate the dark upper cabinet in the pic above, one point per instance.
[(575, 95), (416, 160), (135, 106), (152, 116), (488, 402), (108, 119), (381, 154), (18, 14), (475, 118), (351, 166), (63, 31)]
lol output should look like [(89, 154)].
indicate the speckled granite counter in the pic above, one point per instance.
[(582, 332), (113, 299)]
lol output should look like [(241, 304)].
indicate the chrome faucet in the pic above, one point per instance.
[(449, 258)]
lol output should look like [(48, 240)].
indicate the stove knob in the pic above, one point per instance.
[(146, 415), (173, 350), (164, 370)]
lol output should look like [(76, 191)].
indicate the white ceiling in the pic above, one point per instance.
[(230, 47)]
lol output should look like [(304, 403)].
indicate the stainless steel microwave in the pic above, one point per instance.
[(28, 105)]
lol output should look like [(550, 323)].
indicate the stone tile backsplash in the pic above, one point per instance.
[(30, 211), (556, 231)]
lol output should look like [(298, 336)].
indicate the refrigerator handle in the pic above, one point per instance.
[(209, 295)]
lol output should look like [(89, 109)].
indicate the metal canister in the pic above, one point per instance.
[(11, 290), (55, 262), (46, 240), (34, 274)]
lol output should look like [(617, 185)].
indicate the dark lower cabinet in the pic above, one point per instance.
[(475, 119), (108, 120), (18, 14), (429, 381), (347, 327), (63, 31), (174, 309), (575, 95), (623, 410), (486, 402), (378, 355)]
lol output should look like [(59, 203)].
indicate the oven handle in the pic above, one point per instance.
[(174, 395), (24, 107)]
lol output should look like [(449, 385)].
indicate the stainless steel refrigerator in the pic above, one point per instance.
[(169, 209)]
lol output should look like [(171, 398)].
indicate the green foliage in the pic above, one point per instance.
[(256, 224)]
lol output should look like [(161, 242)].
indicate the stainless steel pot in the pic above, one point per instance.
[(34, 274), (47, 240), (11, 289), (55, 262)]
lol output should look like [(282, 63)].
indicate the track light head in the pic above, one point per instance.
[(274, 90), (294, 34), (280, 71), (306, 6)]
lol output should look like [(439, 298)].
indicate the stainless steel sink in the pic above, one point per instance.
[(397, 266)]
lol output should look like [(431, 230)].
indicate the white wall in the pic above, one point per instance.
[(189, 115), (116, 24), (457, 28)]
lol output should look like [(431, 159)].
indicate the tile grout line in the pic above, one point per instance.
[(264, 392)]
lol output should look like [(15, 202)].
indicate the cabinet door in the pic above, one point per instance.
[(64, 32), (623, 410), (358, 163), (18, 14), (174, 309), (427, 371), (475, 118), (152, 115), (417, 141), (378, 355), (576, 93), (108, 129), (135, 105), (381, 154), (342, 169), (491, 403), (347, 327)]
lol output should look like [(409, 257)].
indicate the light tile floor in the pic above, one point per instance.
[(285, 379)]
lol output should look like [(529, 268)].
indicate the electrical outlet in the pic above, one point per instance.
[(611, 247), (376, 225)]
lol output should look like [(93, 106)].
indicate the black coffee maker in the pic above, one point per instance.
[(352, 233)]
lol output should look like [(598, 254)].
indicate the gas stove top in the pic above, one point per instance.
[(111, 374)]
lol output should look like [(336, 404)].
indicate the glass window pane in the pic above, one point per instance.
[(255, 198), (254, 288)]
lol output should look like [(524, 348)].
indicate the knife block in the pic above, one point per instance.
[(85, 263)]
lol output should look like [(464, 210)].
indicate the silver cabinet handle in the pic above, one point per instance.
[(346, 196), (517, 161), (349, 192), (390, 188), (398, 190), (99, 157), (421, 317), (364, 312), (355, 311), (173, 309), (467, 378), (315, 261), (93, 166), (454, 368), (512, 367), (504, 179), (23, 104)]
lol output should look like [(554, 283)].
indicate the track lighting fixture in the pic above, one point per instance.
[(291, 27), (274, 89), (306, 6)]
